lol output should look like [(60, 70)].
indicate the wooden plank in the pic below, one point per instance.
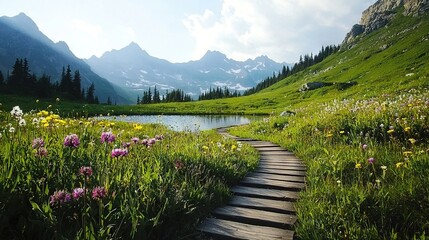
[(281, 167), (263, 204), (255, 216), (269, 148), (277, 177), (225, 228), (270, 183), (282, 164), (280, 153), (265, 193), (281, 172)]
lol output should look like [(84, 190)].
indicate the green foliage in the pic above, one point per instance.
[(157, 190), (367, 165)]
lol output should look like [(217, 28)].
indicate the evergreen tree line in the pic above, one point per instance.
[(176, 95), (303, 63), (218, 92), (22, 82)]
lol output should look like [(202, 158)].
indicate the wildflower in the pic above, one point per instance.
[(41, 152), (59, 197), (358, 165), (108, 137), (16, 112), (145, 142), (11, 129), (71, 140), (205, 148), (37, 100), (159, 137), (339, 182), (382, 125), (329, 135), (135, 140), (407, 153), (233, 147), (99, 193), (85, 171), (399, 164), (384, 168), (152, 141), (341, 132), (126, 144), (119, 152), (364, 147), (407, 129), (178, 164), (22, 122), (371, 160), (57, 99), (35, 121), (78, 193), (137, 127), (1, 135), (390, 131), (412, 140), (38, 143)]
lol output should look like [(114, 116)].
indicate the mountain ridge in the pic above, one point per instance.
[(21, 38)]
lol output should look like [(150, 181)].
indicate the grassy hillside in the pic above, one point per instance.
[(366, 148)]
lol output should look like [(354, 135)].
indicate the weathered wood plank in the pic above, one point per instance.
[(276, 153), (266, 193), (263, 204), (281, 172), (277, 177), (270, 183), (281, 167), (282, 164), (255, 216), (225, 228), (269, 148)]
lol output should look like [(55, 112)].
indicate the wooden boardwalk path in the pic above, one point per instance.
[(263, 203)]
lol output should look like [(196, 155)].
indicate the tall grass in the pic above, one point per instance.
[(368, 165), (63, 178)]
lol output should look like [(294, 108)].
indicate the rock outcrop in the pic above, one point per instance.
[(381, 13)]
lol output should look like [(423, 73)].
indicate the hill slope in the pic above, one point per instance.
[(385, 61)]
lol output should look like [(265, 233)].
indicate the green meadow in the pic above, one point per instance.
[(363, 137)]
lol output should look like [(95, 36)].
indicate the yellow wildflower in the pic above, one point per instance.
[(412, 140), (399, 164), (407, 153), (137, 127), (329, 134), (358, 165), (233, 147), (341, 132), (390, 131), (407, 129)]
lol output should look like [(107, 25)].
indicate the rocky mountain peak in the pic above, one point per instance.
[(381, 13)]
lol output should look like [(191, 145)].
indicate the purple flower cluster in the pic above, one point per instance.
[(85, 171), (38, 143), (78, 193), (149, 142), (159, 137), (59, 197), (135, 140), (99, 193), (71, 140), (371, 160), (119, 152), (108, 137)]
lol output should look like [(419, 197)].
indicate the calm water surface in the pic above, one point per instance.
[(188, 122)]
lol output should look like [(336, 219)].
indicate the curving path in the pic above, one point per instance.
[(263, 203)]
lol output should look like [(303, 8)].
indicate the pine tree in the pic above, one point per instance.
[(76, 85), (90, 94)]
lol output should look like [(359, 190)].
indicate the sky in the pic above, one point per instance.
[(183, 30)]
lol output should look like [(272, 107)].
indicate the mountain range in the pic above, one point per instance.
[(122, 75), (135, 70)]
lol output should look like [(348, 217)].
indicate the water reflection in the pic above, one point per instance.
[(188, 122)]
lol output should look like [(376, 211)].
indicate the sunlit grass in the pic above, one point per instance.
[(88, 179), (368, 162)]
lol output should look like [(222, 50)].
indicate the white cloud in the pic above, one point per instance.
[(281, 29), (87, 28)]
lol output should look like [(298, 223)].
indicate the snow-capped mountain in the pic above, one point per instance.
[(135, 70)]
